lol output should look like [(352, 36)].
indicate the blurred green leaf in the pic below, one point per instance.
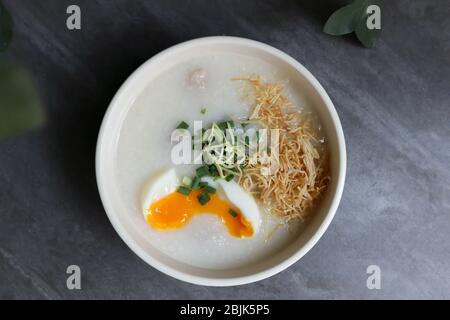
[(20, 107), (353, 18), (6, 27), (345, 19), (366, 36)]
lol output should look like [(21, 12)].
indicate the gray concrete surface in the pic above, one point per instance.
[(393, 101)]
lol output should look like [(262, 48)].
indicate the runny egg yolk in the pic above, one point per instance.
[(175, 210)]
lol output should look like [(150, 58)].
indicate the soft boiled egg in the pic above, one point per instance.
[(166, 209)]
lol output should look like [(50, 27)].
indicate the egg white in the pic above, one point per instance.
[(237, 196), (168, 181), (158, 187)]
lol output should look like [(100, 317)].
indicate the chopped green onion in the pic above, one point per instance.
[(203, 184), (247, 141), (202, 171), (210, 189), (222, 125), (203, 198), (225, 124), (229, 177), (187, 181), (195, 183), (183, 125), (184, 190), (213, 170), (233, 213), (203, 110)]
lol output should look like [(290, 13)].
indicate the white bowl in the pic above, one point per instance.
[(109, 134)]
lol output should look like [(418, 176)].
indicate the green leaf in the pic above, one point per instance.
[(6, 28), (344, 20), (20, 107), (364, 34)]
